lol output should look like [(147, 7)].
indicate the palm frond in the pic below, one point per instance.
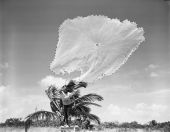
[(94, 118), (79, 110), (82, 112), (86, 104), (55, 106), (43, 115), (90, 98)]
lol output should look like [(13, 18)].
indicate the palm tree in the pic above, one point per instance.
[(80, 108), (82, 105)]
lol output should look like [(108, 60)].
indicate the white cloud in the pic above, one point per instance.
[(150, 68), (12, 105), (153, 66), (2, 88), (115, 110), (154, 74), (154, 70), (162, 91), (3, 102), (4, 66), (140, 112), (51, 80), (153, 110)]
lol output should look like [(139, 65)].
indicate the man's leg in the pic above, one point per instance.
[(66, 114)]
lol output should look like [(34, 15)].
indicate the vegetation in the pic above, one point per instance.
[(80, 110), (13, 122), (17, 122), (152, 125)]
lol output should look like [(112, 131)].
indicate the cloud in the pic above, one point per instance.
[(151, 67), (162, 91), (20, 107), (115, 110), (116, 88), (3, 93), (3, 102), (154, 109), (51, 80), (153, 70), (2, 88), (141, 112), (154, 74), (4, 66), (12, 105)]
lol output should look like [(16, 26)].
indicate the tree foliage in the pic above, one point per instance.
[(80, 108)]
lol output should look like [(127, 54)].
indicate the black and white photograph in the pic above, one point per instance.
[(84, 65)]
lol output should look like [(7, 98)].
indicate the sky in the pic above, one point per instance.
[(139, 91)]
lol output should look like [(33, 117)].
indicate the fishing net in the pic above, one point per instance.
[(97, 46)]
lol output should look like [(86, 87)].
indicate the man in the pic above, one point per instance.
[(67, 96), (62, 100)]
